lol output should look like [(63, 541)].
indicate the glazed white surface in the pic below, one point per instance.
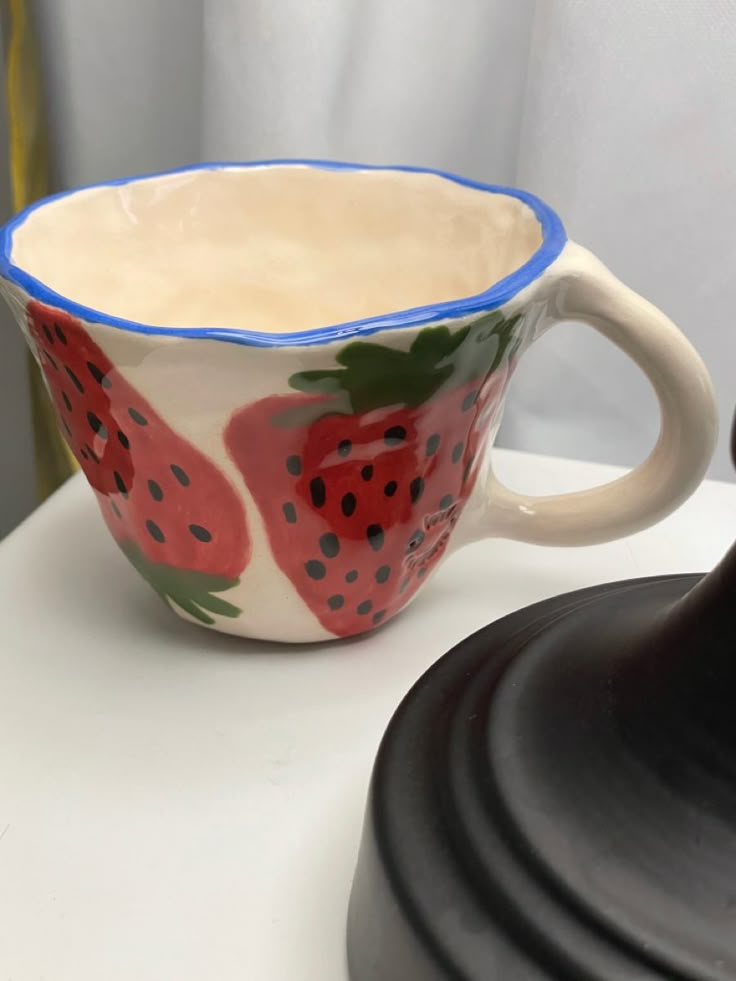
[(197, 385), (177, 804)]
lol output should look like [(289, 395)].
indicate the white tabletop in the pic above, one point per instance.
[(179, 805)]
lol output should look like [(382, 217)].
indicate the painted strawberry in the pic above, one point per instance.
[(361, 478), (171, 511)]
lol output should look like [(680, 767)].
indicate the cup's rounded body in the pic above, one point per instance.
[(257, 507), (292, 485)]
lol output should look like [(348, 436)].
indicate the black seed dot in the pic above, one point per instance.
[(367, 472), (404, 584), (348, 504), (91, 453), (155, 491), (433, 444), (416, 489), (351, 576), (377, 617), (336, 602), (468, 468), (200, 533), (422, 572), (60, 333), (383, 573), (344, 447), (47, 332), (469, 401), (374, 534), (329, 545), (67, 401), (181, 475), (155, 532), (83, 453), (317, 491), (289, 512), (96, 425), (51, 361), (446, 501), (394, 435), (136, 416), (365, 607), (67, 430), (390, 489), (457, 452), (119, 482), (415, 541), (115, 509), (294, 465), (98, 375), (123, 440), (74, 380), (315, 569)]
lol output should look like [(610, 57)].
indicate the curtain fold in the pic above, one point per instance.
[(29, 170)]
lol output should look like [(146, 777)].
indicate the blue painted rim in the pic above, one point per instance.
[(553, 241)]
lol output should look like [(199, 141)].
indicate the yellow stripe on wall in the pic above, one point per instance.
[(30, 180)]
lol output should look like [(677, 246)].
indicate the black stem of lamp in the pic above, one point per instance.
[(556, 797)]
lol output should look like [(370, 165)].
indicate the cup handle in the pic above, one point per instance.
[(583, 289)]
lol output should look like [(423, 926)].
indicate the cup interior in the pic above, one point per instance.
[(274, 248)]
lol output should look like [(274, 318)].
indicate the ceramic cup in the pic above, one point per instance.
[(282, 379)]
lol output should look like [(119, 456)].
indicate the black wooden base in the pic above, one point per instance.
[(556, 799)]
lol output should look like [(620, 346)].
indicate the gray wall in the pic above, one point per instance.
[(17, 482)]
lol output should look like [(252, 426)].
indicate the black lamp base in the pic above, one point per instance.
[(556, 798)]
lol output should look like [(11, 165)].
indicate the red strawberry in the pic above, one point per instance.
[(360, 484), (172, 512)]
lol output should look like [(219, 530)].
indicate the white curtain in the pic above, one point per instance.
[(622, 115)]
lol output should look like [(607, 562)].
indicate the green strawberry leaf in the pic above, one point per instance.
[(374, 376), (217, 605), (317, 382), (194, 611), (435, 343), (190, 590)]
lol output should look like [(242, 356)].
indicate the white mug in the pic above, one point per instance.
[(282, 379)]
